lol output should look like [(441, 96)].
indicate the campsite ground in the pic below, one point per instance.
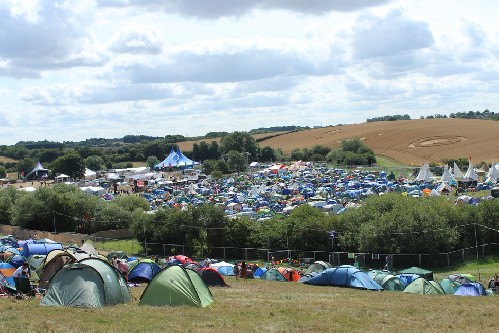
[(271, 306)]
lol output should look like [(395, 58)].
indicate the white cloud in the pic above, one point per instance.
[(76, 69), (218, 8)]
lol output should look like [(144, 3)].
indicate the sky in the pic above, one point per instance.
[(73, 70)]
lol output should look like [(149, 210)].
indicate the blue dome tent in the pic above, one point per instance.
[(345, 276)]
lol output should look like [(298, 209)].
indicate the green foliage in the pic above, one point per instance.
[(25, 165), (94, 162), (241, 142), (8, 196), (267, 154), (152, 161), (3, 171), (70, 164), (222, 166), (393, 223), (352, 152), (236, 161)]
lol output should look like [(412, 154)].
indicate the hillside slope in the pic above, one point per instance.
[(409, 141)]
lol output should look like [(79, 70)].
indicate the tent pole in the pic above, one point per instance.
[(476, 248)]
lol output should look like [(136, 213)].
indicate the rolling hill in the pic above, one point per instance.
[(406, 141)]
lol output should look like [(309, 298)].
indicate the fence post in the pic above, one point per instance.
[(419, 260), (314, 256), (462, 251), (224, 253), (448, 260), (246, 254), (164, 250)]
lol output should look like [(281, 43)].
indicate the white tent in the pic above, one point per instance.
[(457, 172), (448, 177), (89, 174), (62, 178), (493, 174), (424, 173), (470, 174)]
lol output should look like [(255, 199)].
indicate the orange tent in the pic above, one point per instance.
[(289, 273)]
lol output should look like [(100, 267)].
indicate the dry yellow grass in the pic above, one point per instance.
[(6, 159), (409, 142), (268, 306)]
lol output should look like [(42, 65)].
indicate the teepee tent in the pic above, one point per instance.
[(175, 286), (448, 177), (493, 173), (424, 173), (470, 174), (457, 172)]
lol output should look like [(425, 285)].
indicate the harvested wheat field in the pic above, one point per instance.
[(407, 141)]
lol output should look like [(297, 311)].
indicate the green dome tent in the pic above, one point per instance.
[(91, 283), (423, 287), (318, 267), (390, 282), (174, 286), (449, 286), (273, 275)]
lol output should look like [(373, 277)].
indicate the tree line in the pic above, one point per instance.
[(389, 223)]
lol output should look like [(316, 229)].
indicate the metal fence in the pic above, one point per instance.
[(367, 260)]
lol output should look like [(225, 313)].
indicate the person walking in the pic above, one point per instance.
[(244, 271)]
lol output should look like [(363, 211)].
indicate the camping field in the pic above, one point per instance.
[(266, 306)]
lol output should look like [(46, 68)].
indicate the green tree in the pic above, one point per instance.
[(25, 165), (267, 154), (237, 162), (241, 142), (3, 172), (152, 161), (70, 164), (94, 162)]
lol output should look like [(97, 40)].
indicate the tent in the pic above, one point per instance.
[(30, 249), (462, 278), (289, 273), (211, 277), (89, 248), (175, 286), (91, 283), (55, 261), (470, 174), (7, 269), (16, 261), (457, 172), (471, 289), (38, 172), (175, 159), (224, 268), (423, 286), (345, 276), (145, 270), (318, 266), (428, 275), (424, 173), (448, 177), (389, 282), (259, 272), (273, 275), (449, 286)]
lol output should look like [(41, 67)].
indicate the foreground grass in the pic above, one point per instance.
[(269, 306)]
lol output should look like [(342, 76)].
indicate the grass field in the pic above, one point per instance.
[(266, 306)]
